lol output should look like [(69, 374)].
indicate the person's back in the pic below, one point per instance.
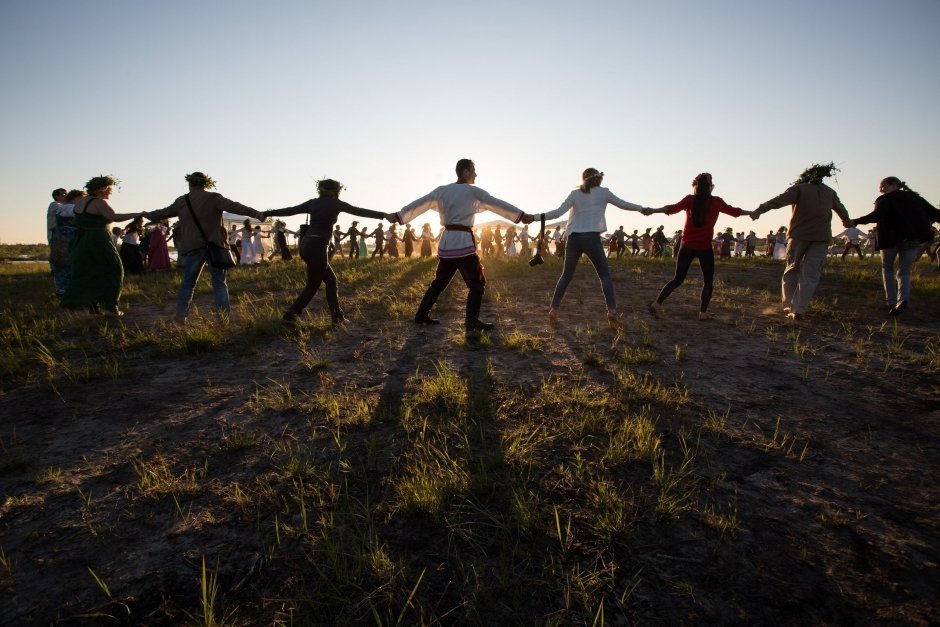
[(811, 217)]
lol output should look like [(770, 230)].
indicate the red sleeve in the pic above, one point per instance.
[(724, 207), (682, 205)]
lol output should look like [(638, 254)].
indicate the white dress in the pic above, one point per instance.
[(248, 251), (780, 249), (257, 247), (512, 251)]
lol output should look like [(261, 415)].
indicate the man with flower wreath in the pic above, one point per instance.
[(192, 253), (808, 236)]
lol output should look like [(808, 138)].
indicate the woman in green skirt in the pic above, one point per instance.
[(97, 273)]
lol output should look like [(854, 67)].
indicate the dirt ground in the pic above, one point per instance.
[(827, 460)]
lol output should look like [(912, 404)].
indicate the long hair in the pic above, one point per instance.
[(702, 198), (592, 178)]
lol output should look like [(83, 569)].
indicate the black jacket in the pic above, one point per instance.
[(324, 211), (901, 216)]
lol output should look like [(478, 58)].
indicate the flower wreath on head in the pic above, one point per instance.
[(200, 180), (815, 173), (100, 182), (329, 187)]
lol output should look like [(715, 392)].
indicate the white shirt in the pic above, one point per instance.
[(458, 204), (852, 233), (588, 210)]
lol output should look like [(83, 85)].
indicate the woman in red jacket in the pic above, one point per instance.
[(701, 214)]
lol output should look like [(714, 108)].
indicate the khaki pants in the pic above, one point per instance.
[(805, 261)]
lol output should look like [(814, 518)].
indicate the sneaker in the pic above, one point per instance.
[(704, 315), (614, 320), (787, 309), (796, 317), (426, 319), (553, 317), (655, 309), (899, 308)]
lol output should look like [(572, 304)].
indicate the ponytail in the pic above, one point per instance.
[(702, 198)]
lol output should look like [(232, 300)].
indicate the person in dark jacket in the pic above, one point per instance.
[(323, 210), (903, 218)]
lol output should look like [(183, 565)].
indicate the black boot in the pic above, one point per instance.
[(473, 323), (424, 309), (290, 317)]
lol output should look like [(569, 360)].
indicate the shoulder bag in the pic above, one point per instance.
[(219, 257)]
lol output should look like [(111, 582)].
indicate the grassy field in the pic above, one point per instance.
[(238, 472)]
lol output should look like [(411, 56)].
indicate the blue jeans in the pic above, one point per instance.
[(588, 244), (192, 264), (906, 258)]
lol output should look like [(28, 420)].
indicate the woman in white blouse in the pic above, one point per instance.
[(588, 205)]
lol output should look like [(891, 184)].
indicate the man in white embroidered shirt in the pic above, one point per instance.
[(457, 204)]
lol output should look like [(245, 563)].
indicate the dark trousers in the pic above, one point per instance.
[(313, 252), (470, 270), (706, 259), (849, 248)]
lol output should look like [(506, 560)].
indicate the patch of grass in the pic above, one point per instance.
[(645, 386), (522, 342), (156, 478)]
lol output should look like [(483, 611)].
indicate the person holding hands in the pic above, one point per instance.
[(701, 214), (588, 206), (458, 203)]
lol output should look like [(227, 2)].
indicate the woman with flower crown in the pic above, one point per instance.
[(323, 211), (97, 273)]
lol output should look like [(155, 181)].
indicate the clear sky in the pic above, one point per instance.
[(268, 97)]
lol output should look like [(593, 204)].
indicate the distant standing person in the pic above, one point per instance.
[(323, 212), (58, 199), (280, 241), (409, 240), (391, 246), (97, 273), (232, 243), (809, 235), (750, 243), (353, 234), (701, 214), (131, 256), (903, 220), (158, 255), (379, 236), (427, 238), (248, 248), (202, 209), (62, 240), (852, 236), (363, 249), (337, 241), (587, 205), (457, 203)]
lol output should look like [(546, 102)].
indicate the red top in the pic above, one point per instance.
[(700, 237)]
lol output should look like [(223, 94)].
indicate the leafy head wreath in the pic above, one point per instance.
[(815, 173), (100, 182), (329, 187), (198, 179)]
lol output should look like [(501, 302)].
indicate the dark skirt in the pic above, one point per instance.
[(131, 258)]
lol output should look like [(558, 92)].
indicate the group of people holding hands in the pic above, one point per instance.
[(903, 219)]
